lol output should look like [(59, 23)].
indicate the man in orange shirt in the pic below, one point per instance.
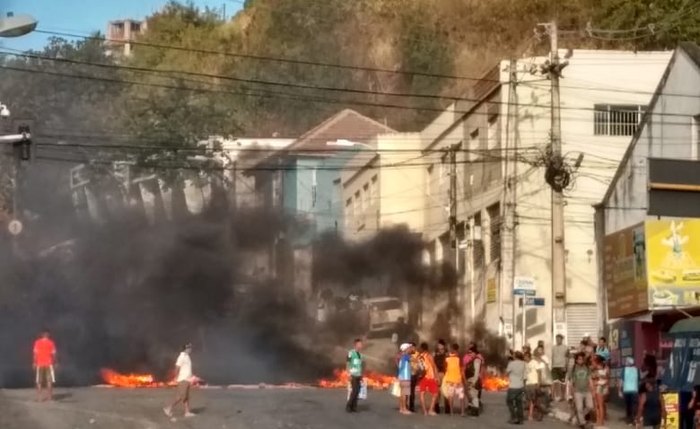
[(44, 360)]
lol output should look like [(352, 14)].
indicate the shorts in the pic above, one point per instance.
[(405, 387), (428, 385), (45, 375), (602, 390), (558, 374), (532, 392), (183, 390), (450, 390)]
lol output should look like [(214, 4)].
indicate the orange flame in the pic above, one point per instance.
[(116, 379), (341, 379), (495, 384)]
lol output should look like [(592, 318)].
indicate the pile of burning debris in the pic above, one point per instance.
[(341, 379)]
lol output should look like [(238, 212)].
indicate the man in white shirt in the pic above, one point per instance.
[(533, 385), (184, 379)]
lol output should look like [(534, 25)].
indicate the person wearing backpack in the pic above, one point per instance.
[(629, 388), (355, 367)]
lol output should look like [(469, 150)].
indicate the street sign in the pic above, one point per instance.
[(15, 227), (524, 286), (534, 301)]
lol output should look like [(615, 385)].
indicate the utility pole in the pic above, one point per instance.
[(508, 224), (452, 195), (558, 247)]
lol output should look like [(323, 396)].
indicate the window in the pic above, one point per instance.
[(314, 187), (494, 213), (429, 181), (695, 150), (443, 173), (373, 188), (356, 202), (473, 143), (348, 211), (616, 120), (365, 196), (492, 131)]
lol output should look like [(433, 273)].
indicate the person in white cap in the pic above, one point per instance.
[(404, 376), (629, 389)]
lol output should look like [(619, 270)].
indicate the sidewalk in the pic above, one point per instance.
[(616, 416)]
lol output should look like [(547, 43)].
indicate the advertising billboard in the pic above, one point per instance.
[(625, 271), (673, 262)]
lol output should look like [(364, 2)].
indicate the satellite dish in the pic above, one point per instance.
[(15, 26)]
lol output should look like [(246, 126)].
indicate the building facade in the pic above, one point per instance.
[(385, 187), (121, 33), (648, 222), (503, 202)]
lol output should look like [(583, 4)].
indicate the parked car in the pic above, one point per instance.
[(384, 313)]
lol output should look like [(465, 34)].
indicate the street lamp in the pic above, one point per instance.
[(15, 26)]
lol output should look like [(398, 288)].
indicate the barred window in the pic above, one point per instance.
[(617, 120)]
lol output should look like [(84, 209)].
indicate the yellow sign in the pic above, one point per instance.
[(672, 410), (624, 271), (673, 254), (491, 291)]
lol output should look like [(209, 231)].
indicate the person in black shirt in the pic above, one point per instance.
[(651, 412), (440, 357)]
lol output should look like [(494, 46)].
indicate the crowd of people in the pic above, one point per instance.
[(443, 380), (581, 376)]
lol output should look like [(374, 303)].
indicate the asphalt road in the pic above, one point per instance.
[(106, 408)]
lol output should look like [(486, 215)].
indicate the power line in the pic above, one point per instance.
[(264, 58), (307, 98), (231, 78)]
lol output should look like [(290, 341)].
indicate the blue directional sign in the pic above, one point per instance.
[(534, 301)]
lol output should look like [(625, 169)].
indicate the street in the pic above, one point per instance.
[(108, 408)]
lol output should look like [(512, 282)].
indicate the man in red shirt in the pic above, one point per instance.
[(44, 360)]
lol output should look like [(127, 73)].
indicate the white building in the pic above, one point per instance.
[(502, 131), (670, 131), (387, 190), (121, 33)]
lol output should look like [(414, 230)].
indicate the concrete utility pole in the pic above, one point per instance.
[(508, 241), (452, 154), (558, 246)]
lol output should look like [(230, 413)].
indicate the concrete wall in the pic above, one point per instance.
[(592, 77), (390, 187), (664, 136)]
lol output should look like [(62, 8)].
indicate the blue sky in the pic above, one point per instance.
[(86, 16)]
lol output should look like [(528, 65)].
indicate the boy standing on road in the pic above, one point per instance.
[(440, 363), (428, 384), (560, 355), (516, 371), (582, 388), (44, 361), (629, 388), (404, 376), (355, 366), (453, 382), (184, 379)]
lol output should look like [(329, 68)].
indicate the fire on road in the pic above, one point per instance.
[(258, 408)]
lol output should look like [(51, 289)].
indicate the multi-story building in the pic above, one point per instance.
[(303, 182), (503, 205), (121, 33), (385, 187), (648, 223)]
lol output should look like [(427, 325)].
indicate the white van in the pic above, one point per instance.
[(384, 313)]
